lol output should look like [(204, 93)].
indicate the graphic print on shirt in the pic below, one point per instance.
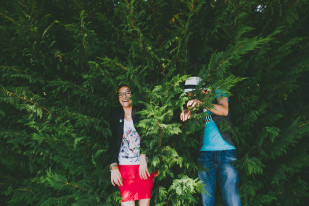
[(129, 150)]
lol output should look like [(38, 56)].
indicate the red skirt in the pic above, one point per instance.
[(133, 187)]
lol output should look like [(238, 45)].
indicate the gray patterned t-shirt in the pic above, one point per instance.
[(129, 149)]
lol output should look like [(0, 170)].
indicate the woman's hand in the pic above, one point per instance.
[(143, 168), (185, 115), (116, 177), (194, 103)]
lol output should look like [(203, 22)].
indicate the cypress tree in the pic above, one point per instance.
[(61, 63)]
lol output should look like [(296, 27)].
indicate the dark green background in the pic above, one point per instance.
[(61, 62)]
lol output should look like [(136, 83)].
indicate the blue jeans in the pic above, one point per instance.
[(218, 165)]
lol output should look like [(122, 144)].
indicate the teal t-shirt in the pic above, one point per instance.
[(212, 140)]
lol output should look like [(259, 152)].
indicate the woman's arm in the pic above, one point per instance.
[(143, 168), (116, 178), (221, 108)]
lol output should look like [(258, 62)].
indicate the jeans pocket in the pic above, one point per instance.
[(230, 156), (205, 159)]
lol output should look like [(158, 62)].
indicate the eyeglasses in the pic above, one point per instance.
[(127, 93)]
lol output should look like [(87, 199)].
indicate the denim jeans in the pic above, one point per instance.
[(218, 166)]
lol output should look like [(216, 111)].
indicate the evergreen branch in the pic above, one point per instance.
[(12, 20), (25, 13), (230, 82), (183, 43), (25, 6), (73, 185), (67, 183), (66, 83), (154, 11), (46, 30), (133, 24), (161, 132), (82, 22), (65, 197), (304, 124), (186, 25), (223, 62), (107, 60), (120, 65), (78, 4), (25, 190), (6, 67), (22, 98)]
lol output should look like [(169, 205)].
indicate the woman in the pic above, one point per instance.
[(128, 165)]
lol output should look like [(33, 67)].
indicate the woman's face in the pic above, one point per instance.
[(124, 96)]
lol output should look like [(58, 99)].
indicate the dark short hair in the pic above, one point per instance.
[(123, 85)]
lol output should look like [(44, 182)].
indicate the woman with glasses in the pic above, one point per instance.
[(128, 164)]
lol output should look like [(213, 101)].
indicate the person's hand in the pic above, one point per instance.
[(185, 115), (194, 103), (143, 168), (116, 177)]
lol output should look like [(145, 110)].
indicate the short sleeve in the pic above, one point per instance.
[(220, 93)]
